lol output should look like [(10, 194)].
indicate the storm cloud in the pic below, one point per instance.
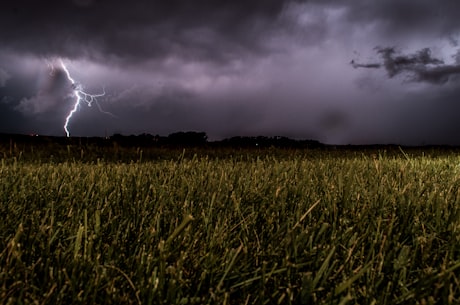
[(235, 68), (202, 29), (419, 67)]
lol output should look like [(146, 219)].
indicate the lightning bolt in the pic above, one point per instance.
[(80, 96)]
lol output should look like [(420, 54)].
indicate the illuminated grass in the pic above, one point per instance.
[(319, 228)]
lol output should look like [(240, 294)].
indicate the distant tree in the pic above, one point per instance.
[(189, 138)]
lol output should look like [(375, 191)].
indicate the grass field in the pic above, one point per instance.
[(318, 227)]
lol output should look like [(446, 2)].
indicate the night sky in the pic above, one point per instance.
[(341, 72)]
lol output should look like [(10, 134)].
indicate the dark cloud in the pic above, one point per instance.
[(420, 66), (199, 30), (369, 66), (404, 18), (395, 64)]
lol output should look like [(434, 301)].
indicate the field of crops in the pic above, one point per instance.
[(318, 227)]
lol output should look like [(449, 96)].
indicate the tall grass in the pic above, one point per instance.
[(313, 228)]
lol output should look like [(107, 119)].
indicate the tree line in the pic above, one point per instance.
[(176, 139)]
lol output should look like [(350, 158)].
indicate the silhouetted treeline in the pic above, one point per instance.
[(144, 147), (192, 138), (187, 139), (198, 139), (177, 139)]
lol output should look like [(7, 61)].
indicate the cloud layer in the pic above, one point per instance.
[(235, 68), (419, 67)]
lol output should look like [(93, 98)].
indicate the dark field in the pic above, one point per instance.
[(106, 223)]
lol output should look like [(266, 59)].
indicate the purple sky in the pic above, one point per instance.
[(341, 72)]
